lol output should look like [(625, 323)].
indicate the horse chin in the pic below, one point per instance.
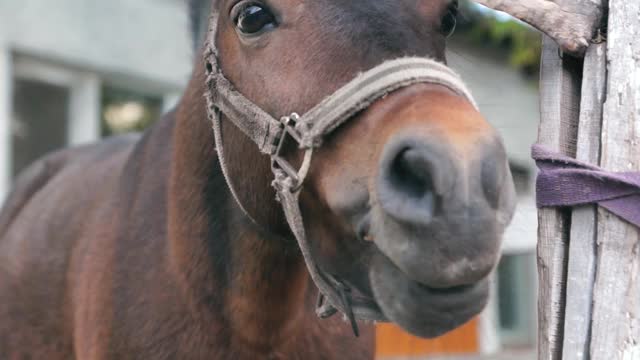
[(421, 310)]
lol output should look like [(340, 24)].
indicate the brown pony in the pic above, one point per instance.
[(134, 248)]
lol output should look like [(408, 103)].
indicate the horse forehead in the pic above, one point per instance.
[(389, 9), (387, 20), (385, 26), (425, 6)]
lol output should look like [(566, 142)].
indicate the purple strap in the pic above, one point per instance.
[(564, 181)]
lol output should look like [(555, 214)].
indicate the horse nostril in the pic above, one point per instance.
[(494, 173), (411, 173), (409, 188)]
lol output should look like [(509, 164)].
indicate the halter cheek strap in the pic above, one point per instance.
[(308, 130)]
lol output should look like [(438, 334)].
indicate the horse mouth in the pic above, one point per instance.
[(420, 309)]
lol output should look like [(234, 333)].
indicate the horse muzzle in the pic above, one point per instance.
[(437, 223), (421, 310), (440, 215)]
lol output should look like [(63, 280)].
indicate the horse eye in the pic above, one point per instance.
[(449, 22), (254, 19)]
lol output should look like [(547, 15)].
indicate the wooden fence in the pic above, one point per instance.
[(588, 259)]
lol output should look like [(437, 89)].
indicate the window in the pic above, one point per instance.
[(517, 294), (39, 121), (125, 110)]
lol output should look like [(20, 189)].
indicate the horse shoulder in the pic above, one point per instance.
[(52, 205)]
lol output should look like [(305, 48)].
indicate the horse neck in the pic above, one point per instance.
[(231, 269)]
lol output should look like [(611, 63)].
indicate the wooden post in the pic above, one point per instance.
[(560, 103), (582, 246), (596, 314), (616, 305), (589, 304)]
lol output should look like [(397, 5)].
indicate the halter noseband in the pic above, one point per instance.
[(308, 131)]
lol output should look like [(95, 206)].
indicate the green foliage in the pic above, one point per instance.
[(518, 40)]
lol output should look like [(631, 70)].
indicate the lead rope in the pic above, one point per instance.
[(288, 184), (288, 196)]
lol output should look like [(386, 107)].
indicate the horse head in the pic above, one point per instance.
[(407, 201)]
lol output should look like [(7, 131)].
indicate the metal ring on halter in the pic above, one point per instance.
[(279, 163)]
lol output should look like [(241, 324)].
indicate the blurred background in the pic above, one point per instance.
[(86, 69)]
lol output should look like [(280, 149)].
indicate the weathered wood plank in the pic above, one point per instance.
[(582, 245), (560, 101), (616, 308), (572, 23)]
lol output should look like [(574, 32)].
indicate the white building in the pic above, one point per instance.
[(60, 59), (57, 59)]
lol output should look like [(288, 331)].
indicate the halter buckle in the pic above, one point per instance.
[(286, 174)]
